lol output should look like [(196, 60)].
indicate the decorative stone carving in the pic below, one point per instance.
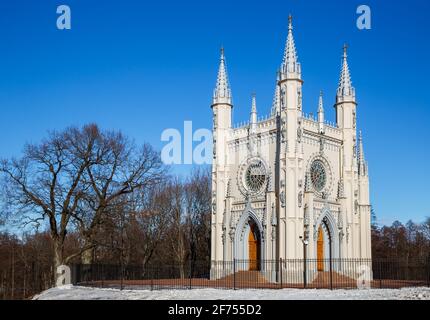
[(306, 220), (354, 148), (283, 130), (214, 207), (270, 184), (252, 145), (263, 217), (274, 222), (339, 220), (282, 194), (274, 218), (354, 120), (308, 182), (215, 120), (245, 225), (340, 189), (315, 233), (341, 235), (299, 99), (214, 148), (282, 98), (322, 145), (228, 193), (214, 202), (224, 220), (224, 227), (232, 221), (300, 200), (232, 231)]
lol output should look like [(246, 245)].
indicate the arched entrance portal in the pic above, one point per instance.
[(248, 242), (324, 245), (254, 247)]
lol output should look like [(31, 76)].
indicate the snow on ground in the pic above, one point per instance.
[(85, 293)]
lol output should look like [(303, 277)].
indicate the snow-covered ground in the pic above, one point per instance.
[(85, 293)]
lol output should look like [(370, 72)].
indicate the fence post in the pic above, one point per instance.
[(428, 272), (280, 271), (102, 275), (190, 273), (380, 274), (331, 274), (234, 274), (77, 279), (305, 280), (72, 269), (122, 276)]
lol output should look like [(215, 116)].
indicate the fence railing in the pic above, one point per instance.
[(269, 274), (22, 281)]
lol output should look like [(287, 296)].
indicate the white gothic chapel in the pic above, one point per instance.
[(289, 182)]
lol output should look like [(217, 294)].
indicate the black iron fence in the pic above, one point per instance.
[(22, 281), (269, 274)]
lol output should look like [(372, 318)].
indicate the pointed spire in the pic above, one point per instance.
[(345, 88), (360, 148), (321, 113), (276, 105), (253, 120), (320, 103), (254, 105), (290, 63), (222, 92), (361, 160)]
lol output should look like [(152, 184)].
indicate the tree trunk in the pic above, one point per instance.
[(87, 256), (58, 256)]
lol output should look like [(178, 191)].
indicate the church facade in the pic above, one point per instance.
[(290, 184)]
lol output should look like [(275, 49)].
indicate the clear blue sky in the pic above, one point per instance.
[(145, 66)]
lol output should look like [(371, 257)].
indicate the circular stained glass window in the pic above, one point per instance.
[(318, 175), (255, 176)]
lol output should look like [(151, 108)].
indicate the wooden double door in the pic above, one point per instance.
[(254, 248), (320, 250)]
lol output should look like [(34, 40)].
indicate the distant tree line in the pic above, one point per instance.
[(84, 195), (410, 241)]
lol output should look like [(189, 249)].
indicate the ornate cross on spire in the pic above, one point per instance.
[(345, 50)]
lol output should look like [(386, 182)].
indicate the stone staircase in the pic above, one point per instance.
[(245, 277), (338, 280)]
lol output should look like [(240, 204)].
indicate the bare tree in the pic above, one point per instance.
[(118, 170), (150, 221), (198, 200), (73, 180), (177, 225), (45, 184)]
